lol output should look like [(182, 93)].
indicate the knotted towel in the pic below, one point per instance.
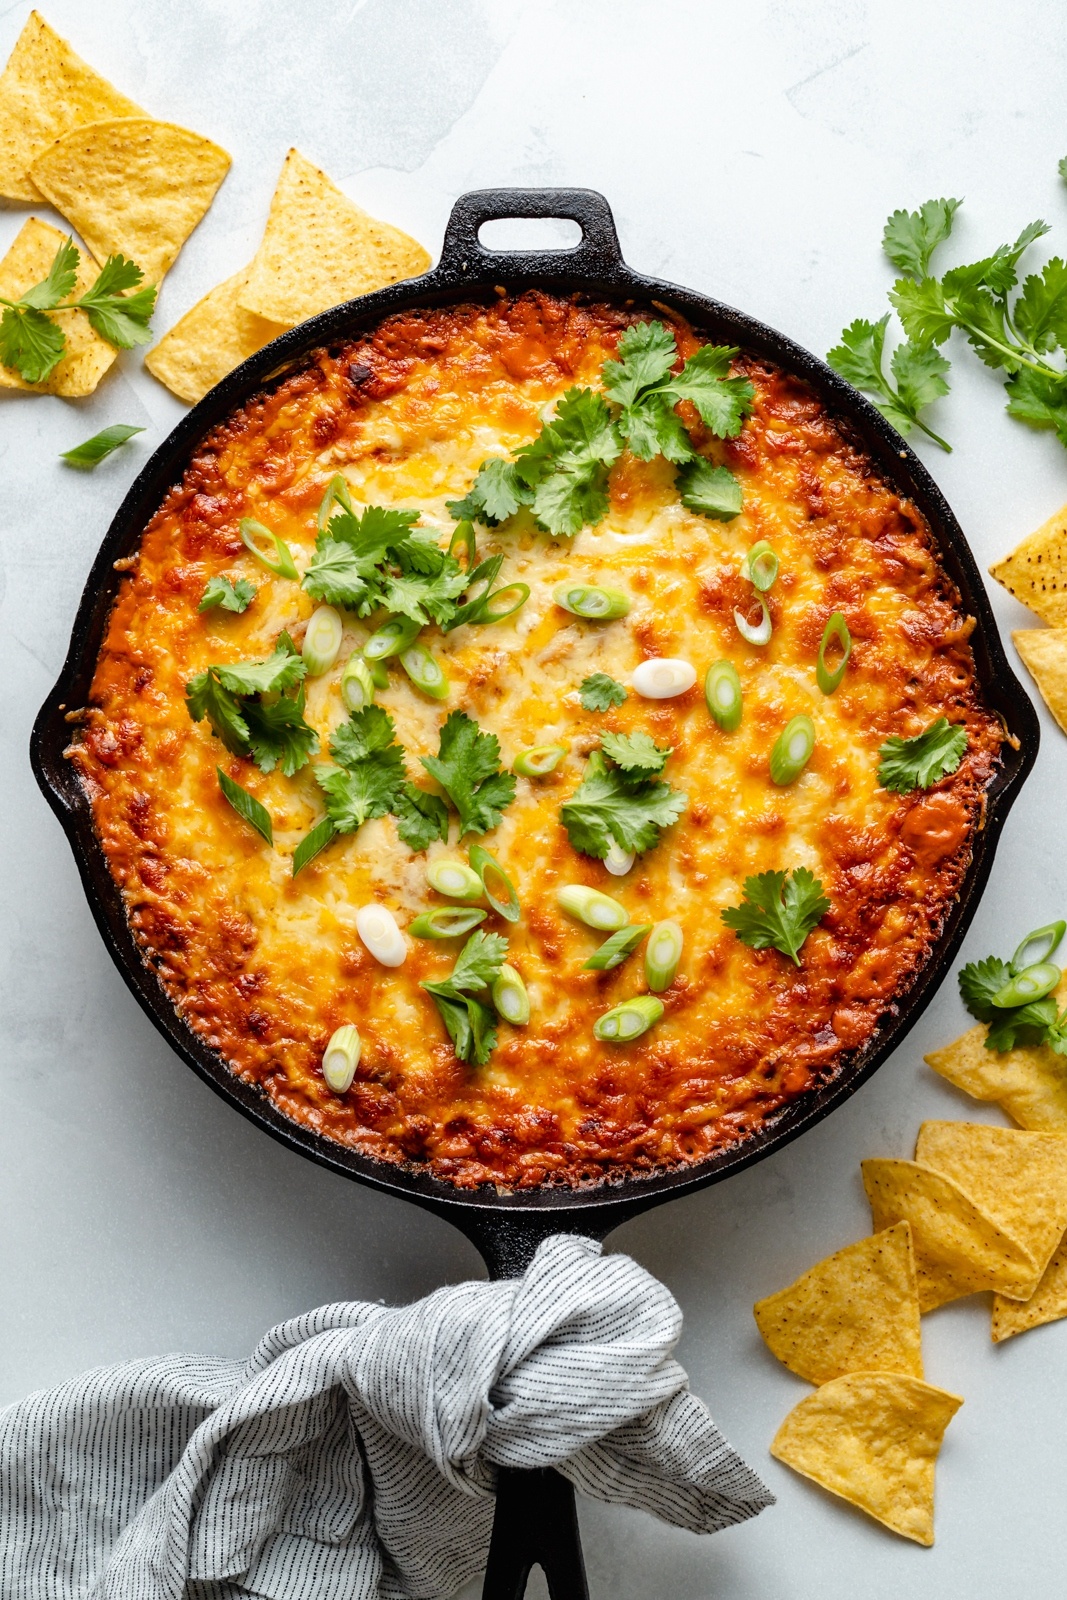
[(354, 1454)]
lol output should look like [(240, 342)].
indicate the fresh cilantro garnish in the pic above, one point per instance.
[(1037, 1022), (379, 559), (634, 752), (88, 454), (33, 344), (979, 981), (370, 770), (496, 494), (273, 732), (471, 1023), (230, 596), (421, 817), (920, 374), (779, 911), (467, 766), (612, 804), (598, 692), (564, 471), (916, 763), (278, 736), (712, 491), (911, 237)]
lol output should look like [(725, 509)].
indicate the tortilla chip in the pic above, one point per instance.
[(857, 1311), (320, 249), (132, 185), (211, 339), (87, 356), (1044, 655), (1030, 1082), (1036, 572), (873, 1439), (1019, 1179), (45, 90), (958, 1249), (1047, 1303)]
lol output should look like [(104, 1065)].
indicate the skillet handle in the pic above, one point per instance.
[(535, 1525), (598, 255)]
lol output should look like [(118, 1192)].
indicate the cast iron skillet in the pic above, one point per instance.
[(535, 1518)]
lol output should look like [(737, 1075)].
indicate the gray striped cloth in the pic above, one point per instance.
[(354, 1454)]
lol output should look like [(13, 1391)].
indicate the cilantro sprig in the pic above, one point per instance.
[(224, 594), (619, 800), (467, 766), (916, 763), (1037, 1022), (598, 692), (381, 560), (118, 309), (778, 911), (470, 1021), (250, 708)]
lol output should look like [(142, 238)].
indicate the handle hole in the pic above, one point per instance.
[(529, 233)]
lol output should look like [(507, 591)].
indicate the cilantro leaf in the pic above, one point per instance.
[(31, 343), (223, 592), (421, 817), (59, 283), (653, 428), (272, 732), (722, 402), (908, 764), (365, 734), (920, 376), (979, 981), (1061, 168), (496, 494), (713, 491), (479, 962), (120, 318), (1038, 400), (634, 752), (1029, 1024), (1040, 312), (598, 692), (455, 1013), (340, 577), (566, 466), (278, 734), (471, 1024), (911, 237), (205, 697), (424, 598), (858, 358), (101, 444), (283, 669), (467, 766), (778, 911), (609, 805), (370, 775), (648, 352)]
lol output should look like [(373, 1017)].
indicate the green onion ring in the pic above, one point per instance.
[(792, 751), (454, 879), (722, 691), (1038, 946), (392, 637), (462, 542), (447, 922), (836, 628), (539, 760), (591, 602), (425, 671), (613, 952), (487, 867), (1032, 983), (629, 1020), (357, 683), (758, 634), (510, 997), (761, 566), (282, 564), (663, 952), (336, 490)]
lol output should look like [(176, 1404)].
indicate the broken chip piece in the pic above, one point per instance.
[(212, 338)]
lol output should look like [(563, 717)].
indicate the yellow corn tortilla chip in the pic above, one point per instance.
[(857, 1311), (212, 338), (87, 356), (958, 1249), (1044, 655), (132, 185), (1047, 1303), (1036, 571), (872, 1438), (320, 249), (1019, 1179), (1030, 1082), (45, 90)]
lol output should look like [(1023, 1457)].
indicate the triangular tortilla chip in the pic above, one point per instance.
[(857, 1311), (1029, 1082), (320, 249), (1044, 654), (1036, 571), (132, 185), (958, 1249), (87, 356), (872, 1438), (1047, 1303), (46, 90), (1019, 1179), (211, 339)]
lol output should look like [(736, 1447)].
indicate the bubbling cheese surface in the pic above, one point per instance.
[(265, 966)]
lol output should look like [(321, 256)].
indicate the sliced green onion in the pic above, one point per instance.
[(447, 922), (761, 566), (247, 807), (628, 1021), (613, 951), (322, 641), (254, 536), (357, 683), (792, 751), (1032, 983), (493, 607), (510, 997), (836, 628), (722, 691), (539, 760), (341, 1058), (662, 955), (336, 493), (596, 910), (454, 879), (490, 871), (663, 677), (377, 927), (425, 671), (589, 601), (312, 843), (618, 861), (379, 673), (100, 445), (392, 637), (758, 634), (1038, 946), (462, 542)]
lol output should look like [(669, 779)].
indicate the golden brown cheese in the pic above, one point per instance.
[(264, 966)]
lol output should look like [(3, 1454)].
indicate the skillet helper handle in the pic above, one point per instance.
[(597, 255), (535, 1525)]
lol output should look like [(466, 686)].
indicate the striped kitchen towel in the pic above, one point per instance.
[(354, 1454)]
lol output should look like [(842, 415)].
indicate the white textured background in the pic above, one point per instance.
[(752, 151)]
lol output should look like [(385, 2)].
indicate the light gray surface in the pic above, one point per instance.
[(751, 151)]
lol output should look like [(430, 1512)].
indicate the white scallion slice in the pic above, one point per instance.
[(629, 1020), (756, 633), (454, 879), (378, 929), (322, 641), (663, 677), (341, 1058), (618, 861), (357, 683), (662, 955), (510, 997), (596, 910), (761, 566)]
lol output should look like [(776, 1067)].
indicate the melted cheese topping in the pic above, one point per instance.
[(265, 966)]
